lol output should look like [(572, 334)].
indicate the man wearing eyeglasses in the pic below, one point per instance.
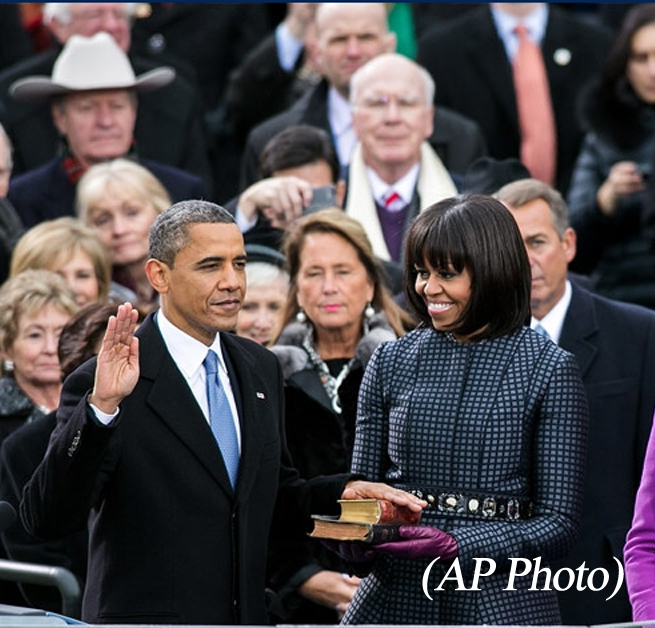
[(394, 173), (175, 109), (348, 35)]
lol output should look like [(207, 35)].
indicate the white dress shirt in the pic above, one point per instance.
[(554, 320), (288, 47), (535, 23), (188, 355), (340, 117), (404, 187)]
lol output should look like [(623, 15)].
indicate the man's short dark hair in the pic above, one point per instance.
[(169, 233), (297, 146), (479, 234)]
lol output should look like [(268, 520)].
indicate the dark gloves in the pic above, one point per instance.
[(359, 557), (421, 542), (351, 551)]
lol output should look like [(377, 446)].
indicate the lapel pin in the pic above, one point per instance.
[(260, 395), (562, 56)]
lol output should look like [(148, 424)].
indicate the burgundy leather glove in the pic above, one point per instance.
[(421, 542)]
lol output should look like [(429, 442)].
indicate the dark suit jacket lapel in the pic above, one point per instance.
[(486, 50), (558, 36), (580, 330), (315, 108), (59, 195), (171, 399), (243, 374)]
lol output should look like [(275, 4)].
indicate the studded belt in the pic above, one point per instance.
[(483, 505)]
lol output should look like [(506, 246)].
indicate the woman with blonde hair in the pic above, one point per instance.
[(70, 249), (119, 200), (337, 312), (34, 307)]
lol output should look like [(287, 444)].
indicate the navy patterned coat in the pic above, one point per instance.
[(500, 417)]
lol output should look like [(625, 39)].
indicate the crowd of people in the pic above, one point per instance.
[(255, 259)]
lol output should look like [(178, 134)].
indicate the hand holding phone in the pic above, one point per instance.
[(322, 198)]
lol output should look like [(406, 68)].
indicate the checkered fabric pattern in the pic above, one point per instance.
[(505, 416)]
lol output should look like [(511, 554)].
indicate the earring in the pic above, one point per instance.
[(7, 366), (301, 317), (369, 312)]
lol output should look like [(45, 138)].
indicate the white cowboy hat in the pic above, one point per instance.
[(89, 63)]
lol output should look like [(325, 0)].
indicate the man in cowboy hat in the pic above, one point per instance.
[(93, 102), (177, 107)]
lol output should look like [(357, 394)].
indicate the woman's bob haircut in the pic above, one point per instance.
[(479, 234)]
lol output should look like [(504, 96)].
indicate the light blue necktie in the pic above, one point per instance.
[(542, 332), (221, 420)]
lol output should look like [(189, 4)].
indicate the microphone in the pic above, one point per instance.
[(7, 515)]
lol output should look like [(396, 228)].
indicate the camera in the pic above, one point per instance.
[(645, 172), (322, 197)]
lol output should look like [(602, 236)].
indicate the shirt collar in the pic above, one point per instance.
[(405, 186), (554, 320), (187, 352), (535, 22), (339, 112)]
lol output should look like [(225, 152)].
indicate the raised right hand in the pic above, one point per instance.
[(117, 369)]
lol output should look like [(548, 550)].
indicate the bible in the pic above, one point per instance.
[(366, 520)]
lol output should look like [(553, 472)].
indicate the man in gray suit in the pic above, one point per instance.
[(615, 346)]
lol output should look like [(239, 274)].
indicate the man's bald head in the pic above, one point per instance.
[(349, 35), (391, 98)]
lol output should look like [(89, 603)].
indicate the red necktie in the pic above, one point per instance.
[(391, 200), (536, 119)]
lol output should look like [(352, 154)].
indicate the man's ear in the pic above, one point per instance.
[(569, 242), (158, 275), (390, 42), (58, 117), (59, 30), (429, 122)]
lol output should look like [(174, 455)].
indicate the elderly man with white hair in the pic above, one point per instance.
[(93, 97), (176, 107), (11, 227), (348, 35), (394, 172)]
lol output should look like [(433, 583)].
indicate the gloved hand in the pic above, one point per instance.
[(351, 551), (421, 542)]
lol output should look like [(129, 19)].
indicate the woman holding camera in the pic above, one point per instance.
[(608, 199)]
